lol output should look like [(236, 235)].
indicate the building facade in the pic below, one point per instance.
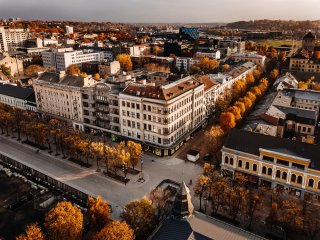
[(60, 58), (162, 117), (61, 96), (12, 38), (272, 161)]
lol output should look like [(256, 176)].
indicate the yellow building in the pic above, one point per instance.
[(272, 161)]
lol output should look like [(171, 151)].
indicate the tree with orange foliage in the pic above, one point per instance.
[(207, 65), (33, 232), (241, 107), (115, 231), (235, 111), (239, 88), (251, 96), (247, 102), (96, 76), (73, 69), (256, 91), (257, 73), (125, 61), (316, 87), (227, 120), (250, 78), (274, 74), (302, 85), (64, 222), (99, 212)]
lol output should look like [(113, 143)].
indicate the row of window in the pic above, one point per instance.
[(268, 171)]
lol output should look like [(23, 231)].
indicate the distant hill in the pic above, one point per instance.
[(276, 25)]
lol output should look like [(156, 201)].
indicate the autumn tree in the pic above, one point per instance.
[(135, 150), (140, 215), (239, 88), (316, 87), (160, 200), (227, 120), (156, 50), (99, 211), (257, 74), (96, 76), (73, 69), (207, 65), (64, 222), (241, 107), (32, 232), (115, 231), (251, 96), (201, 188), (221, 105), (225, 68), (236, 112), (215, 138), (33, 70), (274, 74), (250, 78), (255, 203), (302, 85), (247, 102), (218, 193), (5, 70), (125, 61)]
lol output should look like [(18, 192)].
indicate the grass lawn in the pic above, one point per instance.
[(278, 43)]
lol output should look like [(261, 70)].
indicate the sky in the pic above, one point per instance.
[(161, 11)]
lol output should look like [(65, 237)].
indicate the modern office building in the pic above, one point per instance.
[(60, 58)]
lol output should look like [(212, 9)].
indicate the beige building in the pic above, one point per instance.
[(12, 38), (272, 161), (162, 117), (109, 68), (14, 64), (249, 57), (60, 96)]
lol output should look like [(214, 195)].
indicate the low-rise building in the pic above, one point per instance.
[(19, 97), (109, 68), (14, 64), (267, 160), (249, 57), (185, 63)]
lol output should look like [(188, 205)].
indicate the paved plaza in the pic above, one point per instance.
[(95, 183)]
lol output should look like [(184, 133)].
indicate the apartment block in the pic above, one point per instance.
[(60, 96), (12, 38), (162, 117)]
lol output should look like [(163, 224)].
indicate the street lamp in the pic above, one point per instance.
[(141, 179)]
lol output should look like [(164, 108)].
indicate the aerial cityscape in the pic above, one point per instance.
[(158, 120)]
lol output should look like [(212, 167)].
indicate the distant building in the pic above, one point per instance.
[(14, 64), (12, 38), (189, 33), (19, 97), (309, 41), (213, 54), (185, 63), (109, 68), (250, 57), (285, 81), (304, 60), (60, 58), (172, 48), (68, 30)]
